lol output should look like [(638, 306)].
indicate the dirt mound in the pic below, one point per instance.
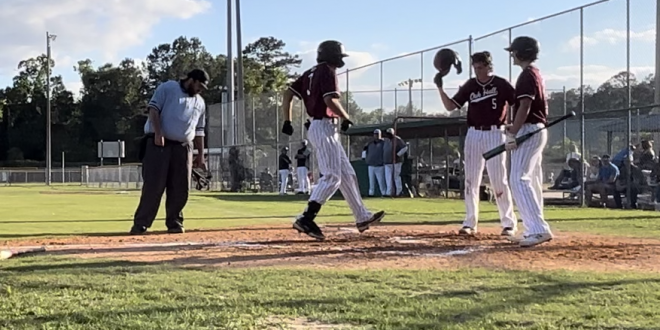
[(385, 246)]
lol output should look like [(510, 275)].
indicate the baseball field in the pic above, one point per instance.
[(240, 266)]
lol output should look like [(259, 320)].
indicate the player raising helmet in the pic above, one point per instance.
[(318, 89), (487, 96)]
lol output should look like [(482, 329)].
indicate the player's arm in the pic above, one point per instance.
[(456, 102), (293, 90), (510, 99), (403, 146), (198, 141), (156, 106), (525, 94), (326, 81)]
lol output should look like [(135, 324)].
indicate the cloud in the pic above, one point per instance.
[(610, 36), (104, 28), (594, 75)]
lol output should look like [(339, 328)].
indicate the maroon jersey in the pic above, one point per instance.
[(530, 85), (313, 86), (487, 101)]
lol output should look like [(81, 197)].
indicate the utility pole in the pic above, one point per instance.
[(410, 83), (49, 158)]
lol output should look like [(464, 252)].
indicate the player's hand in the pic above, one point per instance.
[(287, 128), (345, 125), (438, 79), (307, 124), (159, 140), (510, 143), (200, 164)]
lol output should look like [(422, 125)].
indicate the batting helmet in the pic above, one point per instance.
[(524, 48), (444, 59), (331, 52)]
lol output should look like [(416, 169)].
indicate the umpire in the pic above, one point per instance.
[(176, 121)]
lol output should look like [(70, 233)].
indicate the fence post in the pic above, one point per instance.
[(565, 108), (581, 200), (627, 164), (382, 111), (421, 78)]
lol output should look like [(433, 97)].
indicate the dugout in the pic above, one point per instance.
[(436, 146)]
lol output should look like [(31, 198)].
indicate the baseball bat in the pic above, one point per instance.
[(500, 149)]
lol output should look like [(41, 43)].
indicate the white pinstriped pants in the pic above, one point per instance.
[(477, 142), (336, 168), (527, 180)]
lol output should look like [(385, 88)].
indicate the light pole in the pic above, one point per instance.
[(410, 83), (49, 164)]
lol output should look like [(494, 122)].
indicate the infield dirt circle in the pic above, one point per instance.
[(383, 246)]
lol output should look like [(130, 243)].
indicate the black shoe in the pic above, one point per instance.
[(176, 230), (364, 225), (138, 230), (308, 227)]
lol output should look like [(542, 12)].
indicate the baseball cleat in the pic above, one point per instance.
[(364, 225), (138, 230), (467, 231), (536, 239), (176, 230), (308, 228), (508, 231)]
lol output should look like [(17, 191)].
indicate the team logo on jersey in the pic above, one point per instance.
[(484, 95)]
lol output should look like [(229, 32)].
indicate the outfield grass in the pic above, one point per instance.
[(39, 211), (56, 294)]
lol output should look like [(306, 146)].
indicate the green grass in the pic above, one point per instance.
[(53, 293), (37, 293), (36, 211)]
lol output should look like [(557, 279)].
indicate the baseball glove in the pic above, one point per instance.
[(446, 58)]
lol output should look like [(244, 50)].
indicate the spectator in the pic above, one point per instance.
[(569, 179), (636, 182), (621, 155), (647, 156), (605, 182), (591, 173), (573, 153)]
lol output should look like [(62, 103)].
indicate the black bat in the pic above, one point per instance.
[(500, 149)]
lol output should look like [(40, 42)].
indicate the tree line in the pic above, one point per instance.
[(113, 99)]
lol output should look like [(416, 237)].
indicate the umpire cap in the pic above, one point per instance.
[(199, 75)]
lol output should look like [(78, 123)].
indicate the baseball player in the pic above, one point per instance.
[(302, 163), (487, 96), (530, 114), (284, 166), (318, 89), (393, 162), (373, 156)]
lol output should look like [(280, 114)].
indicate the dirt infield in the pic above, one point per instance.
[(384, 246)]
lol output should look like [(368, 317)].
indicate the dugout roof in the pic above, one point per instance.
[(417, 128), (647, 124)]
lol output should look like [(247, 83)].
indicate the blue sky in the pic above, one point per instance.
[(374, 32)]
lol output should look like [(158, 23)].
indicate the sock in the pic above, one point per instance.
[(312, 210)]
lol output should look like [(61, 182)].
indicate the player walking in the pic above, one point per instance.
[(487, 95), (530, 114), (318, 89)]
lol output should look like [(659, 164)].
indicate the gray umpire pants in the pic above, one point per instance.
[(164, 169)]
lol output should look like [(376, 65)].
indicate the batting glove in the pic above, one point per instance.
[(345, 125), (438, 79), (510, 143), (287, 128)]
